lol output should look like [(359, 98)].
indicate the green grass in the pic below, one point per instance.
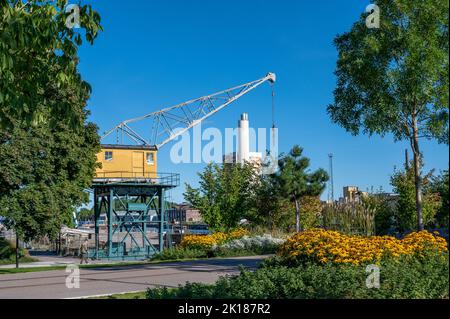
[(128, 295)]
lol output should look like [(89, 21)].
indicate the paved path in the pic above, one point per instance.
[(109, 280), (54, 260)]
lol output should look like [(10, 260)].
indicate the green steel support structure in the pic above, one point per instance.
[(135, 223)]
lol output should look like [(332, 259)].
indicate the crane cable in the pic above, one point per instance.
[(273, 104), (273, 119)]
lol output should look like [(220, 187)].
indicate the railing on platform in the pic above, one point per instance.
[(167, 179)]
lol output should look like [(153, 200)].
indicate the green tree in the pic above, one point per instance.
[(394, 79), (47, 148), (296, 181), (267, 203), (85, 214), (226, 194), (385, 212), (439, 185), (310, 209), (403, 183), (44, 173), (34, 38)]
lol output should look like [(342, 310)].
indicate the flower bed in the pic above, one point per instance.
[(208, 241), (265, 242), (324, 246)]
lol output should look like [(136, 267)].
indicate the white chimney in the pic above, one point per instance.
[(243, 151)]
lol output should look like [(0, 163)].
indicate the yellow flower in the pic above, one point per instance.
[(324, 246)]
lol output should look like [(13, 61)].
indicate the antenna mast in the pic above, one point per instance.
[(330, 182)]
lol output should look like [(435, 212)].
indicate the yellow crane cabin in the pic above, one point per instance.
[(127, 161)]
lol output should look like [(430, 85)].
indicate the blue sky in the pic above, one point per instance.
[(154, 54)]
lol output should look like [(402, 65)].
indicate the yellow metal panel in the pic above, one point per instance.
[(138, 163), (126, 163)]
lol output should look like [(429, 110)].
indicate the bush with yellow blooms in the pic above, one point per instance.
[(208, 241), (324, 246)]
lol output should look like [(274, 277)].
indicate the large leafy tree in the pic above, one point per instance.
[(47, 147), (225, 195), (45, 169), (394, 79), (34, 38), (296, 181)]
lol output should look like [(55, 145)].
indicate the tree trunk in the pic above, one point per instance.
[(297, 215), (417, 175), (17, 251)]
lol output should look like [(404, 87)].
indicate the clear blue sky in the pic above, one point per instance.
[(154, 54)]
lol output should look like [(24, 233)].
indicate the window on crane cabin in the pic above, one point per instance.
[(108, 155), (150, 158)]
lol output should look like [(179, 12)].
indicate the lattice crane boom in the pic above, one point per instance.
[(173, 121)]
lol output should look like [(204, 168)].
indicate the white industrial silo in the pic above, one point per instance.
[(243, 149)]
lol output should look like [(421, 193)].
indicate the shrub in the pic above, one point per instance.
[(323, 246), (407, 277), (8, 253), (180, 253)]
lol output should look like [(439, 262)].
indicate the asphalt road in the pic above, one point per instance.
[(110, 280)]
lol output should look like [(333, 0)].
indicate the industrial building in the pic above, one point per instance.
[(353, 194), (243, 153)]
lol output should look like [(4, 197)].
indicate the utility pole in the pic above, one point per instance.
[(330, 182)]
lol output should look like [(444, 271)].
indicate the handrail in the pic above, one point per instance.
[(172, 179)]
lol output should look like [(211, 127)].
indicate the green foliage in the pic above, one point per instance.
[(394, 79), (310, 211), (385, 213), (38, 57), (8, 253), (226, 194), (45, 171), (439, 185), (180, 253), (403, 185), (408, 278), (86, 214), (47, 148), (273, 212), (177, 253), (389, 75), (296, 181)]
